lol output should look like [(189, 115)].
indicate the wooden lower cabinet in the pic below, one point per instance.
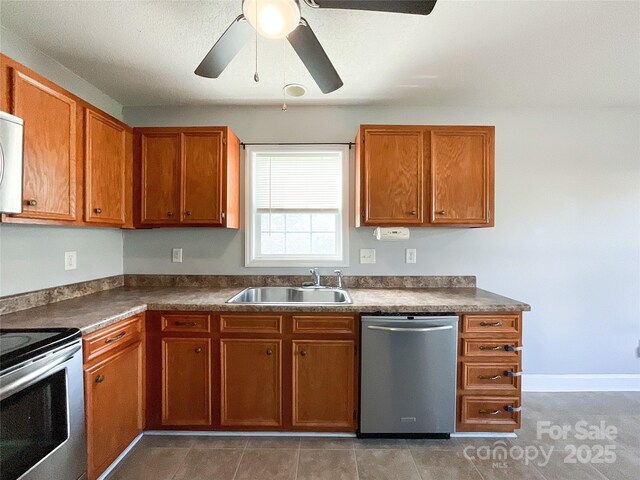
[(251, 382), (489, 369), (323, 383), (114, 403), (186, 381)]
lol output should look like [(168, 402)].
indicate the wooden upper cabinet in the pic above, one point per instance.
[(323, 383), (189, 176), (105, 159), (461, 166), (201, 178), (251, 379), (160, 178), (49, 114), (392, 177), (420, 175), (186, 381)]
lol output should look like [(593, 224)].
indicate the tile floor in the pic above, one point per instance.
[(293, 458)]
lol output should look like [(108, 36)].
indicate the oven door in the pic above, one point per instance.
[(42, 432)]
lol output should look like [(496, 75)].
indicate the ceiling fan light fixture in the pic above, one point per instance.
[(294, 90), (272, 18)]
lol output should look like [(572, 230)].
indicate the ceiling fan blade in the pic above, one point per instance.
[(308, 48), (415, 7), (227, 47)]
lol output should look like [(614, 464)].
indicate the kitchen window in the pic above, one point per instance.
[(296, 205)]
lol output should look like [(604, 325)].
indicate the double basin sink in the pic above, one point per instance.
[(291, 296)]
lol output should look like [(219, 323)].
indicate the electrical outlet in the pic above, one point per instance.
[(367, 255), (410, 255), (176, 255), (70, 260)]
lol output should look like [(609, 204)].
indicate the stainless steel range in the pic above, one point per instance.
[(42, 433)]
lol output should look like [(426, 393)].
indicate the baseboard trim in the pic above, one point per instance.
[(221, 433), (614, 382)]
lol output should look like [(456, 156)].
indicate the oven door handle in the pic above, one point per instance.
[(39, 369)]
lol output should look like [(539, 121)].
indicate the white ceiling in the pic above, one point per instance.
[(498, 53)]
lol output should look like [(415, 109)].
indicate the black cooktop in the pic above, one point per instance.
[(19, 345)]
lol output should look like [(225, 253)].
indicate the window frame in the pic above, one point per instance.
[(251, 260)]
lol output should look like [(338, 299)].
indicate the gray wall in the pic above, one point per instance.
[(567, 222), (33, 257)]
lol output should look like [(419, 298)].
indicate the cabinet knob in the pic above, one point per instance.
[(97, 210), (413, 212), (222, 215), (32, 203), (303, 353), (441, 212), (169, 214), (198, 350), (100, 379), (188, 213), (269, 351)]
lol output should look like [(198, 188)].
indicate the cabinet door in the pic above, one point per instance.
[(114, 406), (251, 382), (323, 383), (202, 177), (461, 176), (186, 381), (160, 178), (392, 182), (49, 187), (104, 157)]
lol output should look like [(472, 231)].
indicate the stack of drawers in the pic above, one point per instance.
[(489, 369)]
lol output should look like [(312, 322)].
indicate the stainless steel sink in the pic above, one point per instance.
[(291, 295)]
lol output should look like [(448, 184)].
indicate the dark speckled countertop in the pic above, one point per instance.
[(91, 312)]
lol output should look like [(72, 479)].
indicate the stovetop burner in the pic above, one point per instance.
[(19, 345)]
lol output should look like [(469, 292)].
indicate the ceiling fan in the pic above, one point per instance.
[(281, 18)]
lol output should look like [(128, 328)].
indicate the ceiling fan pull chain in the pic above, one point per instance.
[(284, 74), (256, 77)]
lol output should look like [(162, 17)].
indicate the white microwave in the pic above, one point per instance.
[(11, 161)]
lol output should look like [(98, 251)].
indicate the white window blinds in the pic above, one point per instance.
[(290, 181)]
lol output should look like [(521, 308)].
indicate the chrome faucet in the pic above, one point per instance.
[(339, 278), (316, 277)]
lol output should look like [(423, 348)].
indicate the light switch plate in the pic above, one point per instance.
[(410, 255), (176, 255), (70, 260), (367, 255)]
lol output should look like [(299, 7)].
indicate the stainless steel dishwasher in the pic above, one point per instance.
[(408, 376)]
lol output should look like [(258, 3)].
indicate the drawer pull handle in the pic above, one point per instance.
[(100, 379), (511, 408), (490, 324), (116, 338), (489, 377), (509, 373), (512, 348), (489, 412), (494, 349), (181, 323), (198, 350), (269, 351), (303, 353)]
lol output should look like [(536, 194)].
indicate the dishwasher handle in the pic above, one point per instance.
[(410, 329)]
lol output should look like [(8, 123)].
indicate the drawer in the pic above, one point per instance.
[(192, 323), (344, 324), (478, 347), (489, 413), (112, 337), (250, 323), (490, 376), (491, 324)]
